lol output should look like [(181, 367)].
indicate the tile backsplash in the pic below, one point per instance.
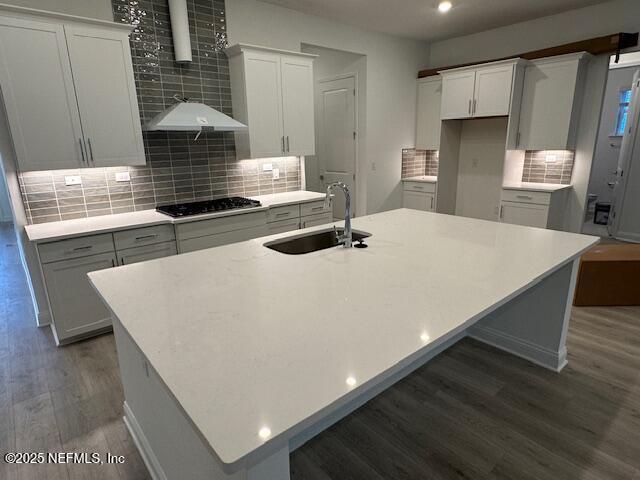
[(178, 168), (548, 166), (419, 162)]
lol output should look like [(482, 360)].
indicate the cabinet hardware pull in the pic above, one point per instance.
[(122, 260), (469, 106), (283, 214), (283, 150), (431, 203), (501, 207), (518, 139), (79, 249), (82, 151), (474, 107), (527, 197), (145, 237), (315, 209), (418, 187), (90, 150), (113, 262), (288, 149)]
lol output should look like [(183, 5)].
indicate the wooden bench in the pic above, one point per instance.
[(609, 275)]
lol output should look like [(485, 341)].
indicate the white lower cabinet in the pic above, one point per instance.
[(533, 208), (418, 201), (524, 214), (314, 220), (219, 239), (147, 252), (419, 195), (75, 306)]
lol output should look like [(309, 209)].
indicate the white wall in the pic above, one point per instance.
[(28, 253), (392, 66), (605, 160), (571, 26), (100, 9)]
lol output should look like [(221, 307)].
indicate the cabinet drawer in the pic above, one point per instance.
[(283, 226), (313, 208), (286, 212), (146, 252), (76, 248), (419, 187), (210, 241), (143, 236), (526, 196), (313, 220), (214, 226)]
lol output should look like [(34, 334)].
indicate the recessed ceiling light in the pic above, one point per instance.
[(444, 7), (264, 433)]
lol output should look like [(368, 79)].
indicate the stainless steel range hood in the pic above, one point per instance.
[(187, 116)]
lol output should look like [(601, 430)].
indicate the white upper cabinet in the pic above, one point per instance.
[(428, 113), (297, 105), (38, 94), (551, 103), (272, 93), (492, 95), (106, 94), (478, 91), (68, 91), (457, 94)]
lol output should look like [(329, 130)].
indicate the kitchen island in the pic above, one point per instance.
[(234, 356)]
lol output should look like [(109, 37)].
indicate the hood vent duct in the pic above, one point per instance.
[(180, 30)]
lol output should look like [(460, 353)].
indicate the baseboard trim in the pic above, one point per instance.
[(541, 356), (141, 442), (44, 318)]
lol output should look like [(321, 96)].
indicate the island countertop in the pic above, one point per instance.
[(246, 338)]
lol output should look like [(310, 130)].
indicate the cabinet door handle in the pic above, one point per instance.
[(146, 237), (113, 262), (84, 160), (474, 107), (431, 203), (288, 149), (315, 209), (501, 207), (283, 214), (80, 249), (282, 139), (418, 187), (469, 106), (526, 197), (90, 150), (122, 261), (518, 139)]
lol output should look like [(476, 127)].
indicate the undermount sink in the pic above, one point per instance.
[(312, 242)]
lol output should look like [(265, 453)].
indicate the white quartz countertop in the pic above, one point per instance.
[(47, 232), (422, 178), (247, 338), (536, 187)]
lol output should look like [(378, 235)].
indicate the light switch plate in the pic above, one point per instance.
[(123, 177), (72, 180), (267, 167), (276, 173)]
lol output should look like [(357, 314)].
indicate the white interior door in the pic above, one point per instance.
[(297, 105), (264, 104), (624, 219), (38, 94), (337, 132), (103, 77)]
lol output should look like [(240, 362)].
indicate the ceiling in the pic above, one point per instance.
[(421, 20)]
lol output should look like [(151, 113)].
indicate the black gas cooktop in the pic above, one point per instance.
[(207, 206)]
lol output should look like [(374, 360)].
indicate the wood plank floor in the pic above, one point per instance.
[(471, 413)]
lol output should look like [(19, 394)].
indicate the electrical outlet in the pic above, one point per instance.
[(267, 167), (123, 177), (551, 158), (276, 173), (72, 180)]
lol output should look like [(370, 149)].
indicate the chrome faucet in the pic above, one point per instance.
[(346, 237)]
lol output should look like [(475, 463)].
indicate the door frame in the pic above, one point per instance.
[(358, 171)]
